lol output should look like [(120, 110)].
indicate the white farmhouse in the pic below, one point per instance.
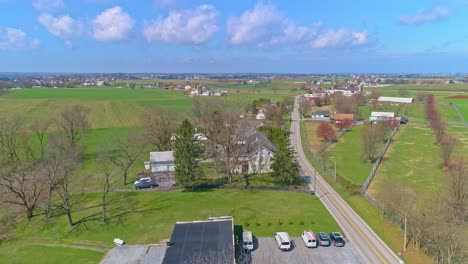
[(256, 153)]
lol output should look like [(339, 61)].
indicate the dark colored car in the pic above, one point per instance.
[(144, 183), (323, 239), (337, 239)]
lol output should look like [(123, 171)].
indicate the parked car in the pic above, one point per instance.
[(337, 239), (309, 239), (283, 240), (323, 239), (144, 183)]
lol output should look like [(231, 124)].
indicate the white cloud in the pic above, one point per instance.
[(424, 16), (190, 26), (265, 26), (63, 27), (112, 24), (16, 39), (340, 38), (48, 5)]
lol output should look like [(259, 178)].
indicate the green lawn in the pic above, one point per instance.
[(413, 158), (347, 153), (148, 216), (15, 253)]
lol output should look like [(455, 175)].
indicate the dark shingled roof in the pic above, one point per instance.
[(201, 242)]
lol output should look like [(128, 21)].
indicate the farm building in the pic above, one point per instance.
[(376, 116), (321, 114), (160, 161), (210, 241), (339, 118), (406, 100)]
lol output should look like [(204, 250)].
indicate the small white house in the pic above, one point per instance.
[(160, 161), (260, 115), (321, 114), (375, 116)]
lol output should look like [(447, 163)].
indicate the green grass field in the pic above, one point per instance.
[(147, 216), (413, 158), (347, 153), (14, 253)]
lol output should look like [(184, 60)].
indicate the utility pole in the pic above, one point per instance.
[(404, 238), (315, 182), (335, 170)]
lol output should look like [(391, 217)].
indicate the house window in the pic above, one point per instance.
[(245, 168)]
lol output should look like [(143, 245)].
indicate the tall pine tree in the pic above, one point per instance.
[(186, 154), (285, 166)]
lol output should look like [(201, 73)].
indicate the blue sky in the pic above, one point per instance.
[(427, 36)]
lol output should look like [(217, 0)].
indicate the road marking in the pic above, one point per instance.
[(358, 230)]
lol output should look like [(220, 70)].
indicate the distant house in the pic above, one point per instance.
[(160, 161), (339, 118), (256, 152), (396, 99), (321, 114)]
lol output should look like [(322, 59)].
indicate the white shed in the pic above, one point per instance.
[(161, 161)]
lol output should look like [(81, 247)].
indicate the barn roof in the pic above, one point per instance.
[(162, 156), (395, 99)]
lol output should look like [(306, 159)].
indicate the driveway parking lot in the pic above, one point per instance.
[(267, 252)]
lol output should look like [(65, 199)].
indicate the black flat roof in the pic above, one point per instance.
[(201, 242)]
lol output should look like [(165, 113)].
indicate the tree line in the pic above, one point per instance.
[(437, 223)]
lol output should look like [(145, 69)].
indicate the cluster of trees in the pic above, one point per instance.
[(30, 174), (447, 143), (38, 163), (436, 224)]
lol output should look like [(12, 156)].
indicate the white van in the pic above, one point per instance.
[(309, 239), (283, 240), (247, 240)]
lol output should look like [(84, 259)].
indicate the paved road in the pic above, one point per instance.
[(371, 248)]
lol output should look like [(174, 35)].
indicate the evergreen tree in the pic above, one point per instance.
[(186, 154), (285, 166)]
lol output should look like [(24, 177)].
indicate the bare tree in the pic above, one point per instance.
[(159, 126), (107, 179), (370, 138), (229, 141), (127, 152), (447, 146), (457, 198), (304, 106), (73, 122), (64, 186), (344, 104), (22, 184), (39, 128), (9, 133)]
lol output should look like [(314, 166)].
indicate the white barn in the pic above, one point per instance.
[(405, 100), (160, 161)]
